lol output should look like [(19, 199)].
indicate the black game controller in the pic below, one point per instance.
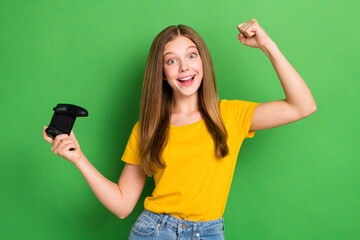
[(64, 118)]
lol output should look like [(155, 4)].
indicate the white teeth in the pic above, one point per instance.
[(183, 79)]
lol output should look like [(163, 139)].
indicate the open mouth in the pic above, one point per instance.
[(187, 81)]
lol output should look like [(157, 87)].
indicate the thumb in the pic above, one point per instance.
[(241, 37), (72, 136)]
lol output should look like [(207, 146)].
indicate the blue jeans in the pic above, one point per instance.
[(151, 225)]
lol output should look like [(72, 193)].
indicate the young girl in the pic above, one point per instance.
[(186, 138)]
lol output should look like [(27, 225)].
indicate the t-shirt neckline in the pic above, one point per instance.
[(188, 125)]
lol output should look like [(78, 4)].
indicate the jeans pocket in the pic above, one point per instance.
[(144, 226)]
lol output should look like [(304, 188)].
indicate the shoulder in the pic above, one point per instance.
[(236, 107), (225, 103), (135, 130)]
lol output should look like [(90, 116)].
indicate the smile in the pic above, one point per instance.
[(187, 81)]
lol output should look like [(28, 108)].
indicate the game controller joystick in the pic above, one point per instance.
[(64, 118)]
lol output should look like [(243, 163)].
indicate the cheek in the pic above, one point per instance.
[(169, 71), (199, 66), (166, 70)]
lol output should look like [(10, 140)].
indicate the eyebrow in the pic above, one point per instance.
[(186, 49)]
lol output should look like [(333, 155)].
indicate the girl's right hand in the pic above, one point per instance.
[(62, 144)]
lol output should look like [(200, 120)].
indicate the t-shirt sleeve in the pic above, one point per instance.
[(241, 112), (132, 152)]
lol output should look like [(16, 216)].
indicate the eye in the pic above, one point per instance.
[(171, 61), (192, 55)]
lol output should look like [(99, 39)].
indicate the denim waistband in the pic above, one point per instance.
[(185, 226)]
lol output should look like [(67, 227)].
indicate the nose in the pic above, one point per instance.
[(184, 66)]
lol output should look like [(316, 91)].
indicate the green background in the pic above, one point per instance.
[(298, 181)]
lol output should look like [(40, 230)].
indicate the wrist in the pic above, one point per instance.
[(81, 161), (269, 48)]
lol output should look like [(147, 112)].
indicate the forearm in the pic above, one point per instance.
[(296, 91), (105, 190)]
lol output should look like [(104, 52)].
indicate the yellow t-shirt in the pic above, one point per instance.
[(195, 184)]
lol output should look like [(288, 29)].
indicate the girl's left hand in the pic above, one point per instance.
[(252, 35)]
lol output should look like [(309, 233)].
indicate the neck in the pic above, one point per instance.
[(185, 104)]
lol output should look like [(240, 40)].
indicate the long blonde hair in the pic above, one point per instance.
[(155, 108)]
